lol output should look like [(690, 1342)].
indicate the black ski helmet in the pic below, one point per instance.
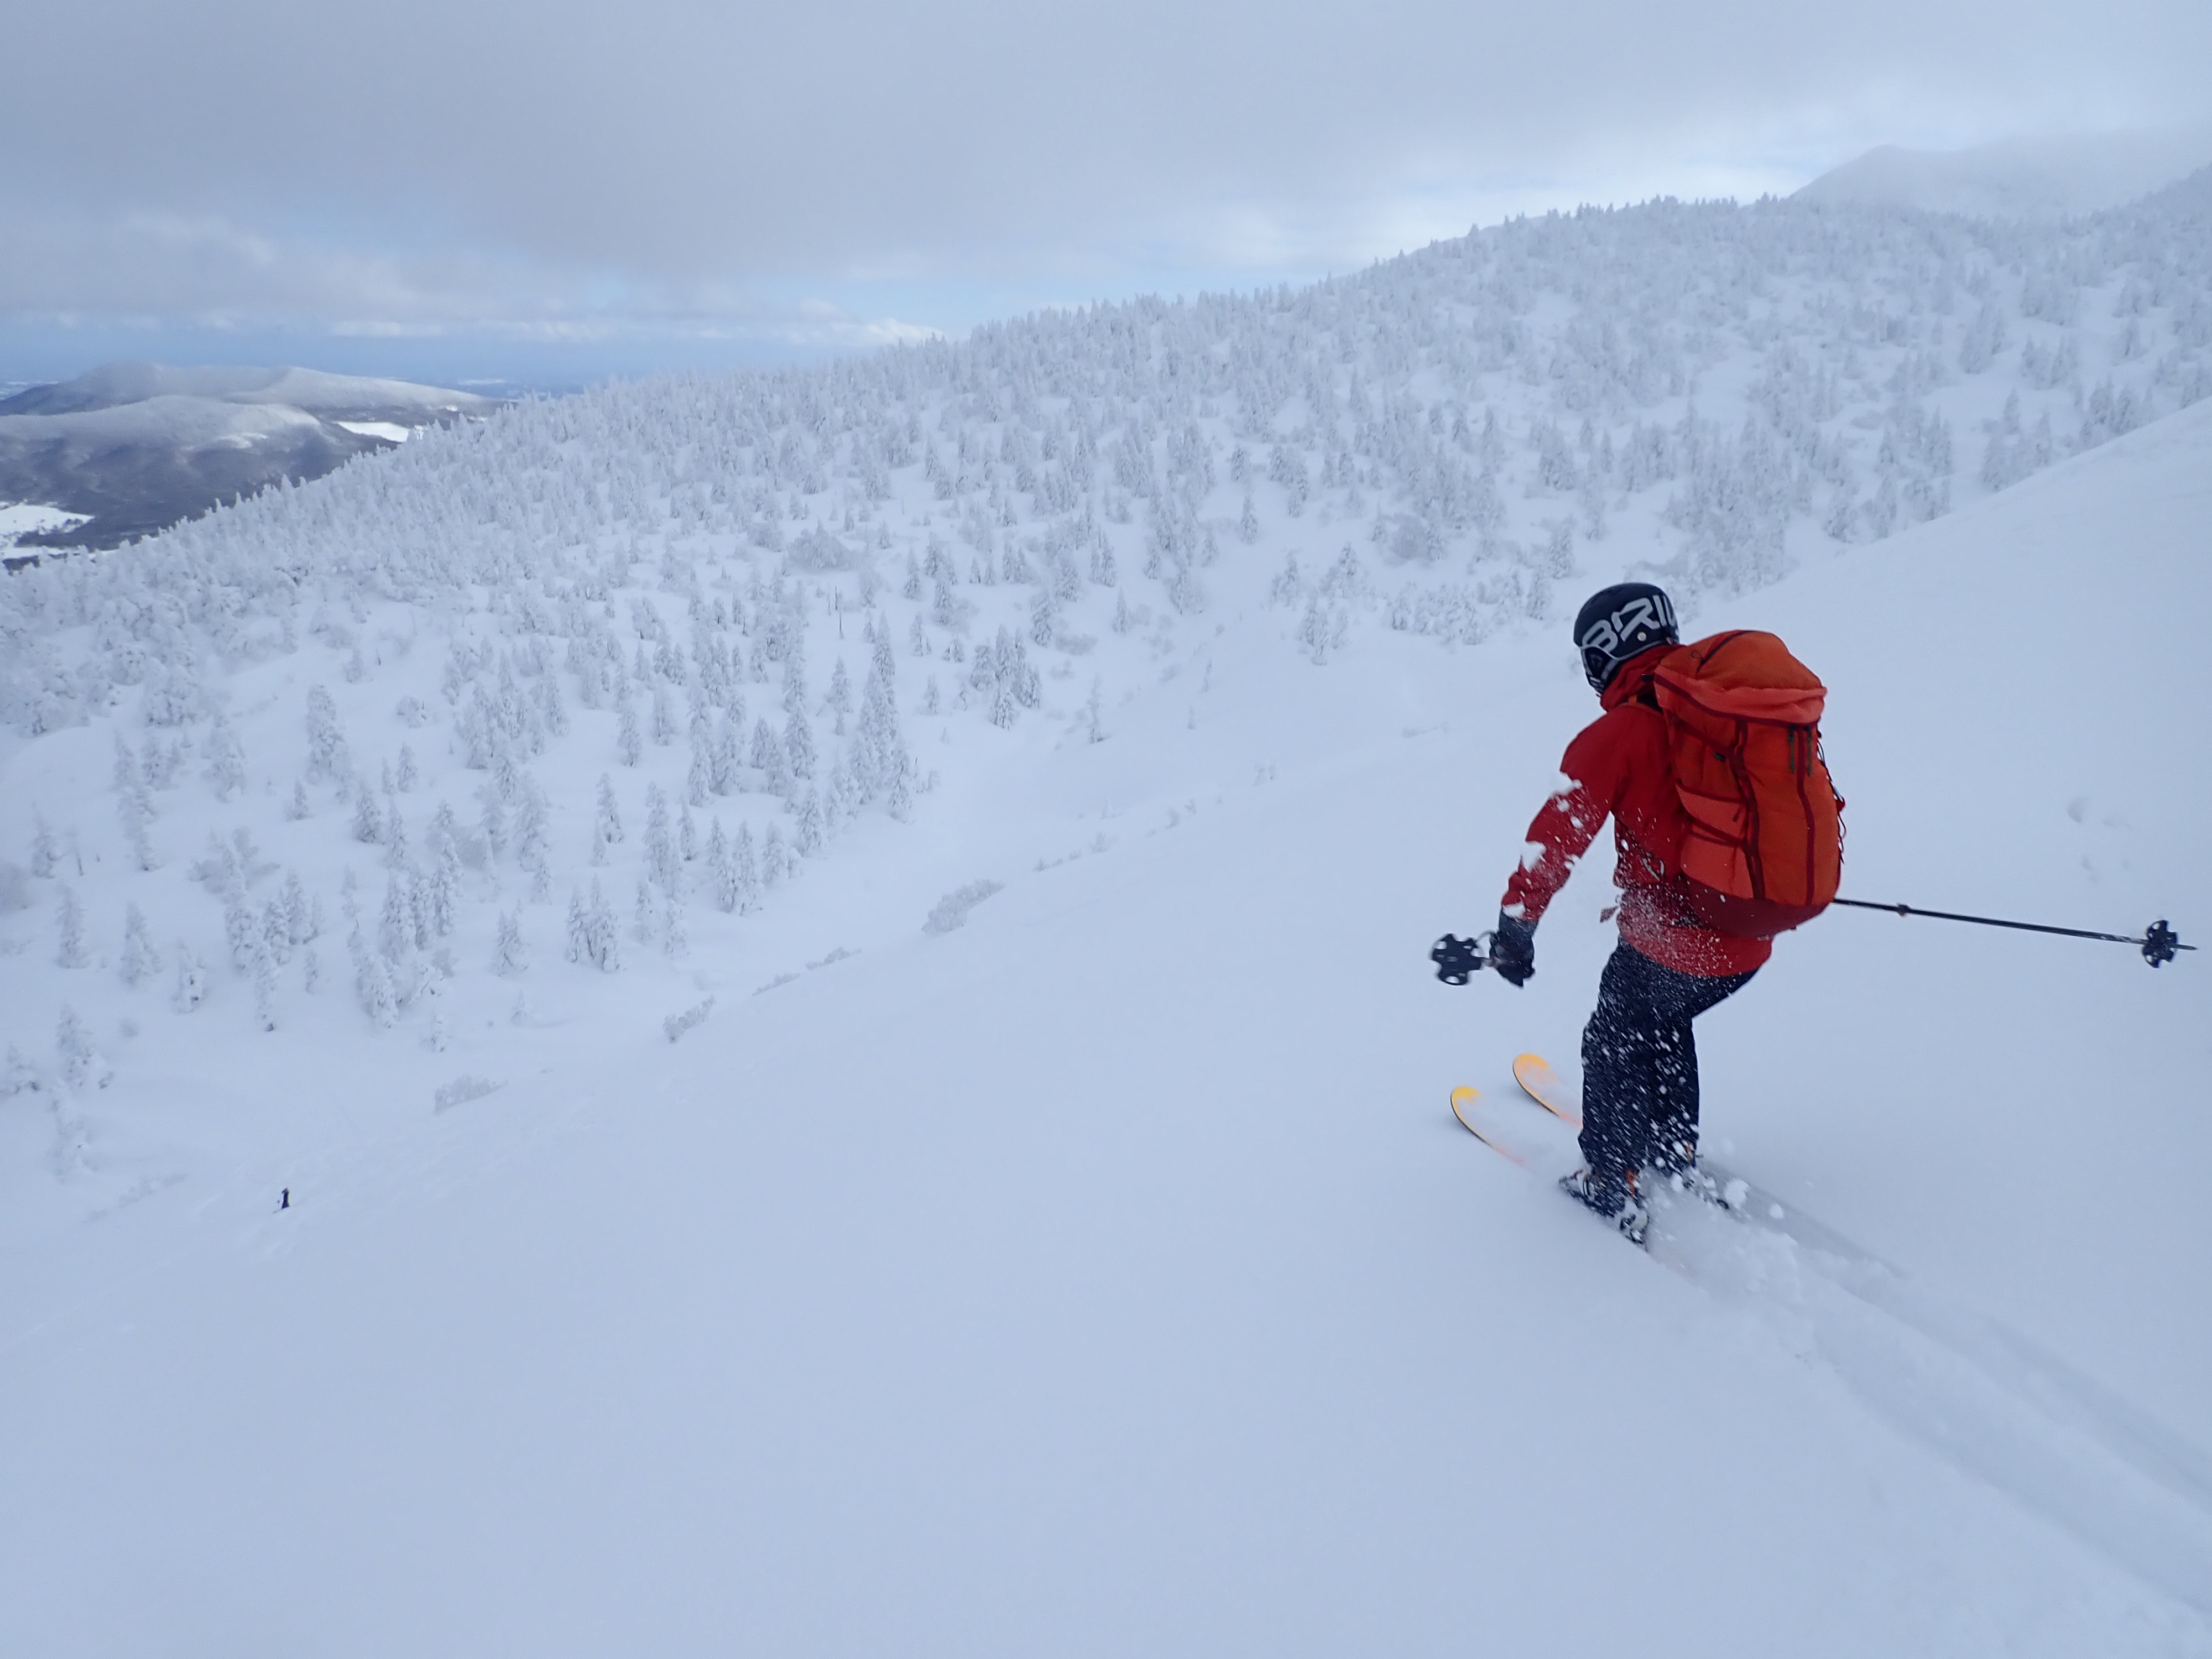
[(1616, 623)]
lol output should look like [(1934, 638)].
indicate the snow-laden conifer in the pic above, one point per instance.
[(799, 746), (43, 853), (744, 871), (580, 927), (225, 766), (368, 822), (77, 1062), (509, 954), (265, 988), (606, 827), (276, 940), (442, 890), (241, 929), (326, 744), (139, 959), (373, 984), (394, 837), (191, 981), (602, 938), (70, 952), (719, 876), (395, 926), (662, 864)]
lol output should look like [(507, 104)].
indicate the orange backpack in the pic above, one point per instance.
[(1765, 847)]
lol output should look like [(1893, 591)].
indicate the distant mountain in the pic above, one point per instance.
[(2020, 178), (131, 448)]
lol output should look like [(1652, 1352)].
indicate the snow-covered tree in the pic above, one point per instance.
[(191, 981), (70, 952), (326, 745), (629, 743), (226, 767), (580, 927), (606, 828), (77, 1061), (799, 746), (140, 959), (441, 893), (265, 988), (368, 822), (509, 955), (662, 865), (744, 871), (603, 938)]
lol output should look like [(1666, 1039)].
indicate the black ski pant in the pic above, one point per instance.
[(1640, 1063)]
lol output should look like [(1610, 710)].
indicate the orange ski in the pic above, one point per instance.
[(1515, 1133), (1547, 1088)]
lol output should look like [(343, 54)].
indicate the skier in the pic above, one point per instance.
[(1686, 944)]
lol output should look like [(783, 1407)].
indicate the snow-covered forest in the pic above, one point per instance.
[(591, 682)]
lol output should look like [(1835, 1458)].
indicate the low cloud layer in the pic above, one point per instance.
[(469, 164)]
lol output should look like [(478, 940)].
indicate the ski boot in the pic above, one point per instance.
[(1615, 1198)]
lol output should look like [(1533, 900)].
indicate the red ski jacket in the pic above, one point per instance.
[(1617, 766)]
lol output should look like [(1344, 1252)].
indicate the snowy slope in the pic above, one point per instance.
[(1105, 1275), (1090, 1262)]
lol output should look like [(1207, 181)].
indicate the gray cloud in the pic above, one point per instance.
[(454, 163)]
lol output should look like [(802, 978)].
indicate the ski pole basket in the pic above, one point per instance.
[(1459, 959)]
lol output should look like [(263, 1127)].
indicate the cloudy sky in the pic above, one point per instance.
[(547, 192)]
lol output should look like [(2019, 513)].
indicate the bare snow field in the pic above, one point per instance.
[(833, 969), (19, 519)]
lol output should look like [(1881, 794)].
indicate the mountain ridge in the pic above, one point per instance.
[(129, 448), (2023, 177)]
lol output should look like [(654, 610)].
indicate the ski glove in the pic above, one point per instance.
[(1513, 950)]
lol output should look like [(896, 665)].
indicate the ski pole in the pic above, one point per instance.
[(2158, 944)]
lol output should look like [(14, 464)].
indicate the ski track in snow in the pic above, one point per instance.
[(1987, 1399)]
